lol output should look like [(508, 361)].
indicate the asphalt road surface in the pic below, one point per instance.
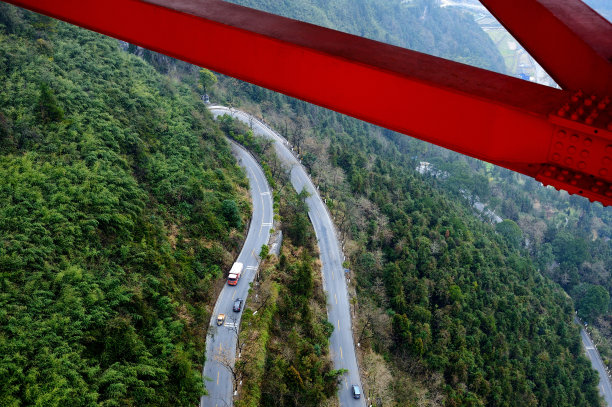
[(604, 381), (334, 281), (221, 340)]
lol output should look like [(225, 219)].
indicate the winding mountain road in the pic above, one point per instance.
[(221, 340), (334, 282), (591, 352)]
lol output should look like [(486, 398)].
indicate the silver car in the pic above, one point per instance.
[(356, 391)]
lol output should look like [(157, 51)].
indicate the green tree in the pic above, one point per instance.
[(263, 253), (510, 231), (230, 211), (591, 300), (47, 102), (569, 249), (207, 79)]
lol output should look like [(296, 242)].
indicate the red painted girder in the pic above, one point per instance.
[(571, 41), (493, 117)]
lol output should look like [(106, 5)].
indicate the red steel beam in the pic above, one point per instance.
[(493, 117), (569, 39)]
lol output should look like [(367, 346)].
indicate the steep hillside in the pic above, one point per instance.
[(398, 225), (449, 309), (120, 205)]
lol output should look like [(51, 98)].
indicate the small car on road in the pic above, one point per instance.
[(238, 305), (220, 319), (356, 391)]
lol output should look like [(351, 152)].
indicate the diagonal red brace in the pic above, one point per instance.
[(493, 117), (569, 39)]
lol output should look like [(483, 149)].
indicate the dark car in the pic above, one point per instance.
[(356, 391), (238, 305)]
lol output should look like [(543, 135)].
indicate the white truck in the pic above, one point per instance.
[(234, 274)]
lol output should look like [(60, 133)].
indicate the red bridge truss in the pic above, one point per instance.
[(560, 137)]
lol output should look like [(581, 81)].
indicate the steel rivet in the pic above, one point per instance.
[(571, 149), (581, 165), (587, 142), (603, 172), (561, 134), (584, 153), (569, 161), (599, 183), (606, 161), (565, 172), (575, 138), (548, 173), (556, 156), (559, 145), (573, 182), (609, 149)]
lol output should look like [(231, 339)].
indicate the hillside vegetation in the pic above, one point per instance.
[(451, 310), (456, 309), (120, 205)]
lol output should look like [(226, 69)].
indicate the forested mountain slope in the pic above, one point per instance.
[(450, 310), (120, 204)]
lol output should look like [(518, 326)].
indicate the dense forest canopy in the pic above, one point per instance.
[(120, 206)]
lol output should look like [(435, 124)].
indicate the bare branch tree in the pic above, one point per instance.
[(225, 359), (263, 303), (251, 122), (299, 126), (266, 143), (234, 327)]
